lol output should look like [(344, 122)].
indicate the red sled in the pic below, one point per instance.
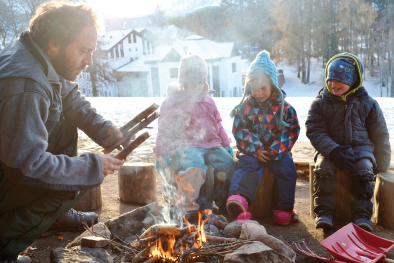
[(351, 244)]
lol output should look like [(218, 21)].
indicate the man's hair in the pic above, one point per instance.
[(63, 21)]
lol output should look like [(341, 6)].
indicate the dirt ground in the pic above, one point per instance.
[(295, 232)]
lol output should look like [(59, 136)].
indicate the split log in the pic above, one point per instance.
[(124, 129), (94, 242), (152, 259), (163, 229), (219, 239), (137, 142), (137, 183), (143, 242), (261, 205), (91, 201), (140, 257), (143, 124), (384, 199), (343, 198)]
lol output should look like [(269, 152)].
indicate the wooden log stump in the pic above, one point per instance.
[(384, 200), (261, 205), (91, 201), (137, 183), (343, 198)]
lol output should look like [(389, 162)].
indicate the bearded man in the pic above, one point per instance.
[(41, 177)]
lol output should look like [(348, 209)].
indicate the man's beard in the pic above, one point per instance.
[(64, 67)]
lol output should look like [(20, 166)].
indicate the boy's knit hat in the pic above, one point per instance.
[(192, 68), (263, 63), (343, 69)]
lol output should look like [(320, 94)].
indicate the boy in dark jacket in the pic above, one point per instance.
[(348, 130)]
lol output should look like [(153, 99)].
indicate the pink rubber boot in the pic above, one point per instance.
[(283, 217), (236, 205)]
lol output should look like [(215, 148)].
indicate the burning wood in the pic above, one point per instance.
[(167, 230)]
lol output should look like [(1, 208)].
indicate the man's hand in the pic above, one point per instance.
[(264, 156), (113, 135), (110, 164)]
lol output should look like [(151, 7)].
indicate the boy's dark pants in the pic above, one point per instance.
[(361, 190), (27, 212), (247, 177)]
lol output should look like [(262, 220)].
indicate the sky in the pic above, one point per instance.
[(127, 8)]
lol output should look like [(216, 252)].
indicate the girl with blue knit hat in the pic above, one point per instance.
[(265, 128)]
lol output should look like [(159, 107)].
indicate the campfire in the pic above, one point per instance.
[(170, 243)]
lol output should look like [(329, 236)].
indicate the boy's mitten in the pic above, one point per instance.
[(340, 159), (229, 149)]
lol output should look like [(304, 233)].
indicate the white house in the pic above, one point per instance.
[(223, 60), (145, 61)]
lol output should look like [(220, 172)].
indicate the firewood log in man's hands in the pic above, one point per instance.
[(113, 135), (111, 164)]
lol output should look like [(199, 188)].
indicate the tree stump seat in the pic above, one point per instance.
[(343, 198), (384, 199), (262, 202), (91, 201), (137, 183)]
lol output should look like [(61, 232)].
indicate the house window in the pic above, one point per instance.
[(112, 53), (173, 73), (129, 38), (121, 50), (136, 58), (234, 67), (134, 38), (136, 49), (129, 49), (109, 93), (106, 93), (131, 59)]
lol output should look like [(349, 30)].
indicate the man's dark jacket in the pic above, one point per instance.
[(354, 119), (34, 99)]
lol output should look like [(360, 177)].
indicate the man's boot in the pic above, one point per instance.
[(20, 259), (72, 221)]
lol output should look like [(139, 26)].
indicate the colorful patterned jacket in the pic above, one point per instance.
[(255, 127)]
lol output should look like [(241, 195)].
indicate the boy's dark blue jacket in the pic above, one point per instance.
[(255, 127), (353, 119)]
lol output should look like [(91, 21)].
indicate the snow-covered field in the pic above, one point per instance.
[(121, 110), (300, 96)]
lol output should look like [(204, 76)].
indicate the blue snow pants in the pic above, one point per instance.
[(221, 161), (247, 177)]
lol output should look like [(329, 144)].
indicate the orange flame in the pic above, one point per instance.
[(164, 253)]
